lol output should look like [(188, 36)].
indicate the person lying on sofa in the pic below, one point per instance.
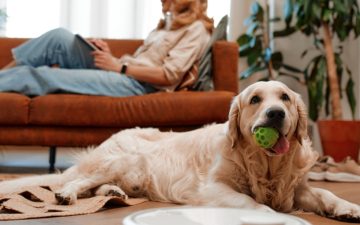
[(160, 64)]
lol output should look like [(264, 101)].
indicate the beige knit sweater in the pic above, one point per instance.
[(175, 51)]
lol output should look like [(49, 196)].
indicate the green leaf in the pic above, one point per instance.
[(348, 70), (342, 33), (316, 12), (292, 69), (253, 42), (288, 11), (255, 8), (303, 54), (264, 79), (253, 56), (340, 49), (251, 70), (277, 59), (315, 84), (340, 7), (244, 50), (252, 28), (351, 96), (267, 54), (249, 20), (313, 64), (357, 25), (306, 75), (339, 71), (327, 15), (308, 10), (307, 30), (313, 101), (339, 63), (257, 11), (276, 19), (243, 39), (245, 43), (318, 42), (348, 4), (285, 32)]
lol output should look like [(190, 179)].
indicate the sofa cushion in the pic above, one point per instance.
[(205, 81), (158, 109), (14, 109)]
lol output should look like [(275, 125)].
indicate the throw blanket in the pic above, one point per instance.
[(38, 202)]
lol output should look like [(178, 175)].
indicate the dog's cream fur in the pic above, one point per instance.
[(217, 165)]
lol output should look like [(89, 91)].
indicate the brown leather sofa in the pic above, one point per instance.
[(69, 120)]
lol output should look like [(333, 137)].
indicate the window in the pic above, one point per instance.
[(91, 18), (29, 18)]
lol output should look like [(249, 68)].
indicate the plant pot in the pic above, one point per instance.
[(340, 138)]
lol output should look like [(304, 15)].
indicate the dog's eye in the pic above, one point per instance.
[(285, 97), (255, 99)]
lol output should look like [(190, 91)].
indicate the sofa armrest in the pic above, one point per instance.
[(6, 45), (225, 66)]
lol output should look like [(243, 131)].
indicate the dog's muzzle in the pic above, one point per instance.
[(275, 117)]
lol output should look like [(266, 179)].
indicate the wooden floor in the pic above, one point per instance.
[(349, 191)]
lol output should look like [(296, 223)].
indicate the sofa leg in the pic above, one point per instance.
[(52, 159)]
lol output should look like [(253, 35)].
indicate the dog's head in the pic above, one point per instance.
[(268, 104)]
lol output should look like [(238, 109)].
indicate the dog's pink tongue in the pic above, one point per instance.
[(282, 145)]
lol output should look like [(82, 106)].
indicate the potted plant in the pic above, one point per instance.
[(330, 23)]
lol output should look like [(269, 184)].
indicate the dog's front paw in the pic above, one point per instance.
[(117, 194), (65, 199), (347, 212), (111, 190)]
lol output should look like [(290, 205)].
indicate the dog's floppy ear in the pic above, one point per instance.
[(234, 121), (302, 125)]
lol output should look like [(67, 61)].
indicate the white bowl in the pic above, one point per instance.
[(209, 216)]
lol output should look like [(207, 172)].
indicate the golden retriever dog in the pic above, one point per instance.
[(217, 165)]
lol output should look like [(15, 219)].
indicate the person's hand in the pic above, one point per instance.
[(105, 61), (101, 44)]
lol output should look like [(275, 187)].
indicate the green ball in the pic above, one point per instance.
[(266, 137)]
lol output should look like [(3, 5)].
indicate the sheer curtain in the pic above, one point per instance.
[(110, 18), (91, 18)]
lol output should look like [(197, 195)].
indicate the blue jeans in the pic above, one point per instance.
[(33, 75)]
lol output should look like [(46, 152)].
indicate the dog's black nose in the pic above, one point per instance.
[(275, 114)]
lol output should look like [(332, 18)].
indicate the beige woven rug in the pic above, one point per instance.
[(39, 202)]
